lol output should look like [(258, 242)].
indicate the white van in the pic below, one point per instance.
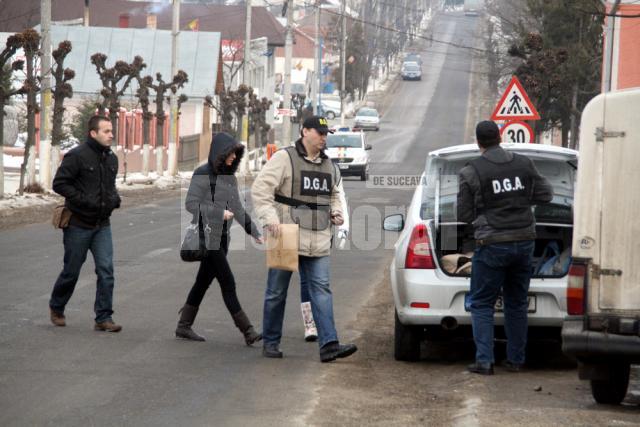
[(603, 296)]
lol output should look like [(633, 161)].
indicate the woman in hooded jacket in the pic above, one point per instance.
[(213, 199)]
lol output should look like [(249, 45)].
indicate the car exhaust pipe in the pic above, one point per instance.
[(449, 323)]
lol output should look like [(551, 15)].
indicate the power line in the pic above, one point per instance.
[(407, 33)]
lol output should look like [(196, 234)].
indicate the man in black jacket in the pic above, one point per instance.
[(497, 191), (87, 179)]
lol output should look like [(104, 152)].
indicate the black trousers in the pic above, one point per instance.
[(216, 266)]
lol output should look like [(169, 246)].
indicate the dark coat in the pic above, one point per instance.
[(470, 200), (87, 180), (214, 188)]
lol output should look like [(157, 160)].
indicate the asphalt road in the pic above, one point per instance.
[(144, 376)]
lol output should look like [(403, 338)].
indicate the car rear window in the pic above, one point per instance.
[(350, 141), (367, 113), (411, 68), (561, 174)]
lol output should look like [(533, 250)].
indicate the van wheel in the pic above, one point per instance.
[(331, 115), (407, 341), (364, 175), (612, 390)]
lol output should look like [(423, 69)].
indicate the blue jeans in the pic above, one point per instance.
[(315, 272), (77, 242), (507, 267), (304, 289)]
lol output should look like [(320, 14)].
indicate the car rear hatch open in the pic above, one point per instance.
[(454, 241)]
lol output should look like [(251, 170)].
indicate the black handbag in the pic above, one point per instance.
[(194, 246)]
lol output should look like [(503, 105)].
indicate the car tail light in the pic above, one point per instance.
[(419, 250), (420, 305), (575, 289)]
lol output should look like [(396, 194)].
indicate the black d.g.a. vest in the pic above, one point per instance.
[(506, 190), (311, 188)]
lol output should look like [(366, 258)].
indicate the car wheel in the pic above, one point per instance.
[(331, 115), (612, 390), (364, 175), (407, 341)]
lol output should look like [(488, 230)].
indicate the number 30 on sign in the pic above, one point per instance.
[(517, 132)]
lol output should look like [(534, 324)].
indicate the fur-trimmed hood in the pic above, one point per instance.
[(222, 145)]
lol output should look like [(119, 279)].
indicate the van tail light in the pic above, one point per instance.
[(419, 251), (575, 289)]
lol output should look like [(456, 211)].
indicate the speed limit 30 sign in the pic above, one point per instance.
[(517, 132)]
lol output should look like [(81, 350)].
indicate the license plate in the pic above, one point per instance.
[(499, 307), (343, 166)]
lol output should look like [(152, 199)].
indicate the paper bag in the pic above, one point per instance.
[(60, 217), (282, 251)]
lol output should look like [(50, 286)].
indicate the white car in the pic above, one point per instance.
[(367, 118), (348, 150), (430, 301)]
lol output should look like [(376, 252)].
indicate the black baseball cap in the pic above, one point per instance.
[(318, 123), (487, 131)]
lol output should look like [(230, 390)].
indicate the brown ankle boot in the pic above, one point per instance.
[(187, 317), (242, 322), (57, 319)]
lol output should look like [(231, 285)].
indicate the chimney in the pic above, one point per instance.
[(86, 13), (124, 20), (152, 21)]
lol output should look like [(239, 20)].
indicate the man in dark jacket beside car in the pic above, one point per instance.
[(86, 179), (496, 194)]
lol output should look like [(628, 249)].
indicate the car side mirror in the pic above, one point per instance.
[(393, 222), (368, 147)]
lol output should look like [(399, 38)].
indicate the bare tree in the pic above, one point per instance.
[(31, 46), (14, 43), (160, 89), (111, 78), (62, 91), (144, 84)]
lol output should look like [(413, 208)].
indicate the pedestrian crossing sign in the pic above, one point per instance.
[(515, 104)]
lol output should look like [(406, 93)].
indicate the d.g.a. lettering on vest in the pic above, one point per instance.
[(311, 186), (506, 190)]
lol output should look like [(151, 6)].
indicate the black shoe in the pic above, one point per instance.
[(334, 350), (272, 351), (481, 368), (512, 367)]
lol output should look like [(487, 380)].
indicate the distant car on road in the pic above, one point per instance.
[(348, 150), (430, 270), (329, 109), (413, 57), (411, 71), (367, 119)]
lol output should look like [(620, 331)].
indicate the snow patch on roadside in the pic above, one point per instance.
[(14, 201)]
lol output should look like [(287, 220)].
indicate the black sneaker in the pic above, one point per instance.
[(481, 368), (271, 351), (512, 367), (334, 350)]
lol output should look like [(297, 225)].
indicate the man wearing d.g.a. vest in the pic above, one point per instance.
[(496, 195), (506, 189), (300, 185)]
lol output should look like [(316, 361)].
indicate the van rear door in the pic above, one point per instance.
[(607, 228)]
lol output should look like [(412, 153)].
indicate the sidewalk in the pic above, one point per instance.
[(32, 208)]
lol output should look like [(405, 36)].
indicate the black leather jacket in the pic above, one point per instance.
[(87, 180)]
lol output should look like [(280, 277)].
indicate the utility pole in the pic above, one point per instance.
[(173, 98), (288, 51), (608, 50), (85, 21), (247, 45), (45, 98), (343, 61), (315, 88)]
